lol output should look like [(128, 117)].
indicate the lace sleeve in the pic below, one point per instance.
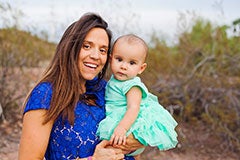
[(40, 97)]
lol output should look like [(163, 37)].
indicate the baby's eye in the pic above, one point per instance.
[(132, 62), (119, 59)]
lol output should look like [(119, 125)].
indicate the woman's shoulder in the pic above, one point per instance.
[(43, 86), (40, 97)]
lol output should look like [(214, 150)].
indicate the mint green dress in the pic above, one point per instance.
[(154, 125)]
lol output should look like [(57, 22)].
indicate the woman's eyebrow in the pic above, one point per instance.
[(103, 46), (106, 47)]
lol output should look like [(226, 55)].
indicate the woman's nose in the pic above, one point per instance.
[(94, 54)]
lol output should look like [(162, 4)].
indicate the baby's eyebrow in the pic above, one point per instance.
[(116, 56), (133, 60)]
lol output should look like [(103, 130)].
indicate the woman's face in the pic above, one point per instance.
[(93, 53)]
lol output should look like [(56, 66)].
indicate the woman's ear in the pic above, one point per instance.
[(143, 67)]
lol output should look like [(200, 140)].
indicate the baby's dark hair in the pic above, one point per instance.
[(131, 39)]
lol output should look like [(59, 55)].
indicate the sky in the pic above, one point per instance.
[(165, 19)]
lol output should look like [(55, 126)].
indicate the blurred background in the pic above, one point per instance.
[(193, 65)]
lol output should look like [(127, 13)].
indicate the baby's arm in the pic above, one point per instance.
[(134, 96)]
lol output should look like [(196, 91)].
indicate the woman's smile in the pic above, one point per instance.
[(90, 65)]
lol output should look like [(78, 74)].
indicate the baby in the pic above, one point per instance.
[(130, 108)]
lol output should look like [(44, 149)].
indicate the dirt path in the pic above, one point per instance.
[(195, 144), (9, 140)]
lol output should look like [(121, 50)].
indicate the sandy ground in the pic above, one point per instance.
[(195, 144)]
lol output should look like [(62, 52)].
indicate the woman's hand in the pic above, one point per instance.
[(132, 144), (103, 152)]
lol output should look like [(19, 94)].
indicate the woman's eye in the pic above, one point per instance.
[(86, 46), (103, 51)]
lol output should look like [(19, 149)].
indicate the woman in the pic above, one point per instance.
[(63, 110)]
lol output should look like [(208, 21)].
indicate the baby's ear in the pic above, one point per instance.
[(143, 67)]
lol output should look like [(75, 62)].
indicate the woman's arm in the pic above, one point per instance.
[(134, 96), (35, 135)]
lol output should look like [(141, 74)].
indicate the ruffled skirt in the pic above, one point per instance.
[(154, 125)]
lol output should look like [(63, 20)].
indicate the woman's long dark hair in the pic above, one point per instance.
[(63, 71)]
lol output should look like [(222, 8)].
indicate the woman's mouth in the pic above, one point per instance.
[(90, 65)]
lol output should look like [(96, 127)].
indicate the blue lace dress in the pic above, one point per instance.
[(72, 141)]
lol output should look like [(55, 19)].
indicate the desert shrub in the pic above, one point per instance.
[(199, 79), (18, 50)]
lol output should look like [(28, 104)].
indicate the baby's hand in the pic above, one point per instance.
[(119, 136)]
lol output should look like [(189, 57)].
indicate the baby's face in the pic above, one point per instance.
[(127, 60)]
